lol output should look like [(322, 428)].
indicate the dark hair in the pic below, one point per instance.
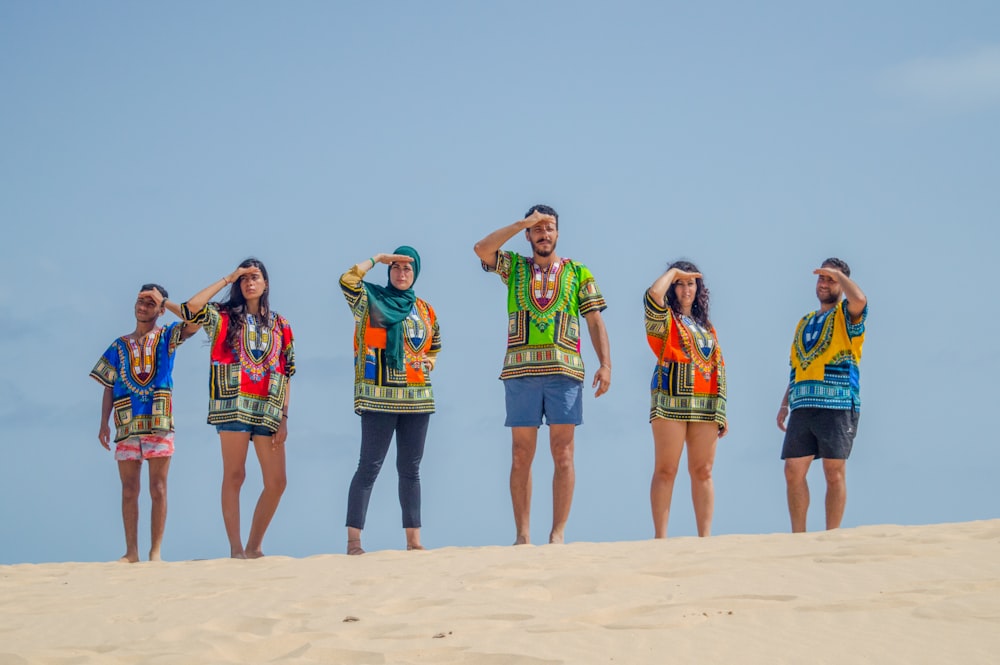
[(699, 308), (150, 287), (545, 210), (839, 264), (236, 305)]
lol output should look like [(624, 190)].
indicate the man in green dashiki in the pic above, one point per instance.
[(543, 372)]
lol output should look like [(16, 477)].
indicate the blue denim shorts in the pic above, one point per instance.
[(559, 399), (253, 430)]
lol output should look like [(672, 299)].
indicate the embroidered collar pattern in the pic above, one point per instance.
[(698, 344), (138, 362), (258, 351), (545, 294), (808, 350), (416, 335)]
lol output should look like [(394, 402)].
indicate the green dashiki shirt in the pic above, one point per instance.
[(543, 315)]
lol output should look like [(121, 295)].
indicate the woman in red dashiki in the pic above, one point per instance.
[(252, 360), (688, 391)]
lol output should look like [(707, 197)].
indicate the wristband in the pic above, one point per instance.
[(374, 262)]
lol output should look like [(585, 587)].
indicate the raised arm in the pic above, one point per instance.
[(856, 299), (487, 248), (602, 347), (198, 301), (175, 309), (353, 276), (658, 290)]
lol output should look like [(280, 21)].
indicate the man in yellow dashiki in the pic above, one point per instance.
[(543, 372), (823, 393)]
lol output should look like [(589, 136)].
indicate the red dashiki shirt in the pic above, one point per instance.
[(248, 383)]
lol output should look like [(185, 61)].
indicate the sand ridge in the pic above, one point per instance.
[(886, 594)]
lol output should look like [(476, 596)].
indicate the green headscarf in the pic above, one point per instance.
[(388, 306)]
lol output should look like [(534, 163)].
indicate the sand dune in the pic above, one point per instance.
[(879, 594)]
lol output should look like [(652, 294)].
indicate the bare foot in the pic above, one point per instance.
[(354, 547), (129, 558), (238, 555), (253, 554), (414, 546), (154, 555), (556, 538), (522, 540)]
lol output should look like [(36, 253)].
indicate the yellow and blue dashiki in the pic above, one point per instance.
[(825, 357), (543, 315), (378, 386), (140, 375)]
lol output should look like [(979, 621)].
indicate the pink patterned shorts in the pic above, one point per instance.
[(144, 446)]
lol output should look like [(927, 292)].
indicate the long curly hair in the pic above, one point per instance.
[(699, 308), (236, 305)]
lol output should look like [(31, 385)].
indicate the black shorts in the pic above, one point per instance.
[(825, 433)]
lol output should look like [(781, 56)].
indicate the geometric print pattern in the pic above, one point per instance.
[(379, 386), (543, 315)]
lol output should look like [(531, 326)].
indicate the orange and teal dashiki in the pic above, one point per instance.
[(543, 315), (689, 380), (140, 375), (378, 386), (247, 384), (825, 357)]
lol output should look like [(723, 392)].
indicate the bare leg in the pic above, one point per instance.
[(701, 442), (272, 469), (668, 442), (413, 539), (234, 472), (354, 541), (158, 468), (130, 474), (563, 478), (522, 455), (796, 469), (836, 491)]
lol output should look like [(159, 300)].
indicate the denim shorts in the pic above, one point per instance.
[(253, 430), (559, 399), (822, 433)]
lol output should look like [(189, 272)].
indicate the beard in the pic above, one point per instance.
[(829, 298), (543, 252)]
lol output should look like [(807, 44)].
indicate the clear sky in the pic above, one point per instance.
[(168, 141)]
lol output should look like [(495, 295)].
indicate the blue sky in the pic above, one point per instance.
[(167, 142)]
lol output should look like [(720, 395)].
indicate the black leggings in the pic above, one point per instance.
[(376, 434)]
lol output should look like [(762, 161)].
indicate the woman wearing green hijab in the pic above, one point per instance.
[(396, 342)]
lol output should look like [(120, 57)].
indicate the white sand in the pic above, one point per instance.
[(878, 594)]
